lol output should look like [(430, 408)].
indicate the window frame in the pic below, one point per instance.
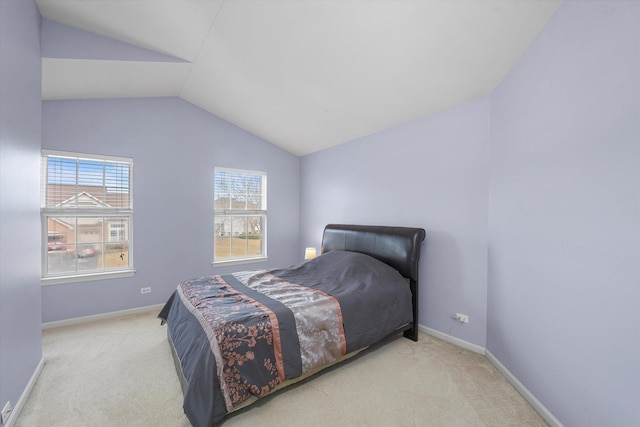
[(242, 213), (102, 215)]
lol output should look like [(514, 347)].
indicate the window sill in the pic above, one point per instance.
[(239, 261), (57, 280)]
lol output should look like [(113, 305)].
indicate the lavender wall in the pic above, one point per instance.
[(564, 222), (20, 328), (430, 173), (175, 147)]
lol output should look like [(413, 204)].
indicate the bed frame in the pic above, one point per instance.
[(398, 247)]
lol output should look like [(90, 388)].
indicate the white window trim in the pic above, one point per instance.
[(239, 261), (233, 212), (111, 274), (66, 277)]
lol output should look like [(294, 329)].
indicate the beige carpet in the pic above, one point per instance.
[(119, 372)]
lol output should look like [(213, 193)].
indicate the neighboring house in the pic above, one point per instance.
[(65, 232)]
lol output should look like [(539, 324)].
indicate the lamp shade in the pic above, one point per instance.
[(310, 253)]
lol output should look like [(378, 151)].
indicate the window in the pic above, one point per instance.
[(117, 232), (87, 214), (240, 215)]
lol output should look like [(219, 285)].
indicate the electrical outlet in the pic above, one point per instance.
[(462, 318), (6, 411), (145, 290)]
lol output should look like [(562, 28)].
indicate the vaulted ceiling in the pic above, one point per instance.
[(304, 75)]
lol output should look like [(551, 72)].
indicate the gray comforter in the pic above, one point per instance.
[(242, 335)]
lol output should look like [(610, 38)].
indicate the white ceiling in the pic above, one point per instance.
[(304, 75)]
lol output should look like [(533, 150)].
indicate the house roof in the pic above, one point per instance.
[(85, 196), (84, 200), (303, 75)]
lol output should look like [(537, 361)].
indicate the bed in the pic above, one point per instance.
[(238, 337)]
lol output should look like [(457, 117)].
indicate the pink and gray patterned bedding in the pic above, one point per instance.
[(242, 335)]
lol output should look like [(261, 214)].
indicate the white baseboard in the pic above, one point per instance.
[(453, 340), (25, 395), (76, 320), (524, 392), (528, 396)]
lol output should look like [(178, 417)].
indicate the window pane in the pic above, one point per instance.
[(254, 184), (222, 190), (238, 184), (254, 202), (90, 230), (255, 191), (60, 180), (60, 244), (254, 235), (239, 237), (222, 237), (60, 262), (87, 259), (88, 248), (222, 181), (117, 255), (117, 242), (60, 233)]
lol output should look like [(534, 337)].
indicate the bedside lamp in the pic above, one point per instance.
[(310, 253)]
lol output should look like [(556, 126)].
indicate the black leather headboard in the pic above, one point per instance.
[(397, 246)]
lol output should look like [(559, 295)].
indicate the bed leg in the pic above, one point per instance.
[(412, 334)]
